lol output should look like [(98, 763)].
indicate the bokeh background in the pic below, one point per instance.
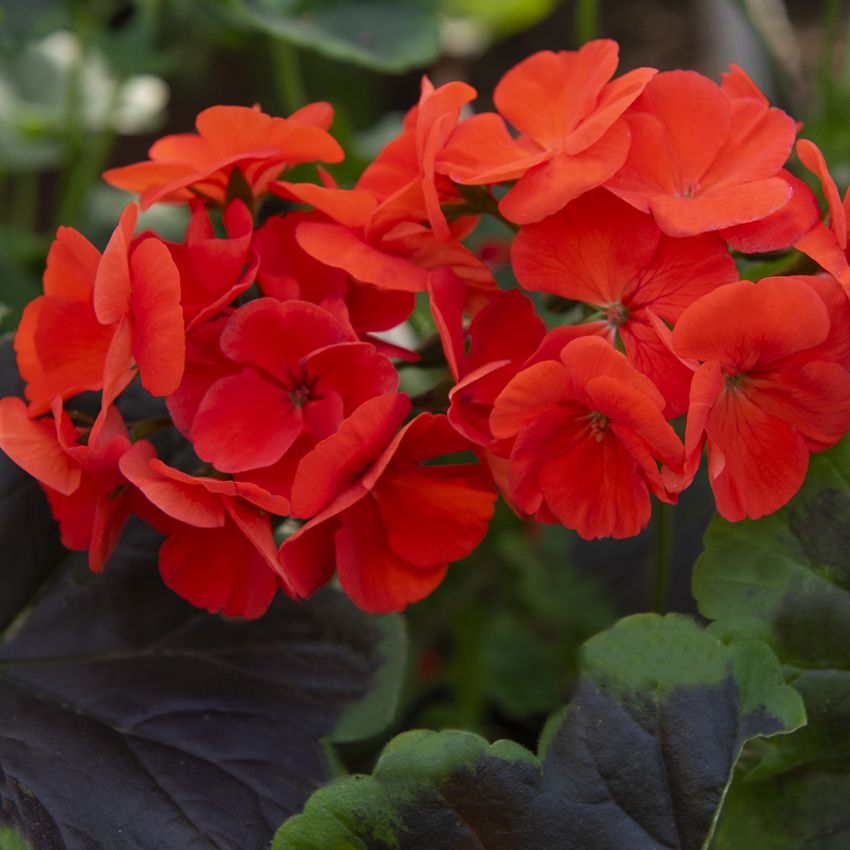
[(90, 84)]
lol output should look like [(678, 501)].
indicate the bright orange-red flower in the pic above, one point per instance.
[(219, 551), (601, 251), (88, 495), (773, 386), (102, 318), (588, 431), (387, 523), (703, 159), (568, 111), (201, 165)]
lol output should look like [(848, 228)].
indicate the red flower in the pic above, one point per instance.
[(213, 272), (301, 373), (827, 245), (220, 552), (386, 523), (88, 495), (191, 165), (568, 111), (773, 386), (601, 251), (588, 429), (287, 272), (502, 335), (101, 318), (702, 159)]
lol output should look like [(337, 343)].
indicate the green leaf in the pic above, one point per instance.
[(501, 17), (640, 758), (10, 839), (785, 579), (380, 34)]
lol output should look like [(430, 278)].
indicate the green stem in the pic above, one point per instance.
[(287, 75), (829, 35), (662, 546), (586, 20)]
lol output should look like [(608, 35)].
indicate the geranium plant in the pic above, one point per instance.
[(238, 393)]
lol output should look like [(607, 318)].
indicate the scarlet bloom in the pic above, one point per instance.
[(568, 111), (300, 373), (773, 386), (603, 252), (827, 244), (219, 551), (587, 430), (287, 272), (501, 336), (229, 139), (102, 318), (214, 272), (88, 495), (386, 523), (703, 159)]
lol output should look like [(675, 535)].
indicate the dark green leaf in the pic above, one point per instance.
[(640, 759), (380, 34), (786, 579)]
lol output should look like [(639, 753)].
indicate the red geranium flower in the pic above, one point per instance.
[(386, 523), (192, 165), (88, 495), (588, 430), (773, 387), (703, 159), (601, 251), (568, 111), (101, 318), (220, 552)]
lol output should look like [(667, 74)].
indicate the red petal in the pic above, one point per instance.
[(719, 208), (548, 94), (762, 461), (590, 251), (437, 514), (338, 461), (372, 575), (743, 324), (240, 405), (276, 337), (71, 266), (546, 188), (178, 496), (112, 282), (482, 151), (33, 446), (159, 343), (217, 569), (343, 248)]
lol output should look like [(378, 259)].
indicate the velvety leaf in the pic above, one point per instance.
[(380, 34), (786, 580), (118, 699), (808, 810), (640, 758)]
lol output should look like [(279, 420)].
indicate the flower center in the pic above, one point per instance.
[(598, 425), (617, 314)]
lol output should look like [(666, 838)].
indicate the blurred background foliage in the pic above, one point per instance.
[(89, 84)]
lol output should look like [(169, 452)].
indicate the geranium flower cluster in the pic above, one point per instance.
[(261, 331)]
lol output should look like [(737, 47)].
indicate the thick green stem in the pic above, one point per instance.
[(586, 20), (662, 547)]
